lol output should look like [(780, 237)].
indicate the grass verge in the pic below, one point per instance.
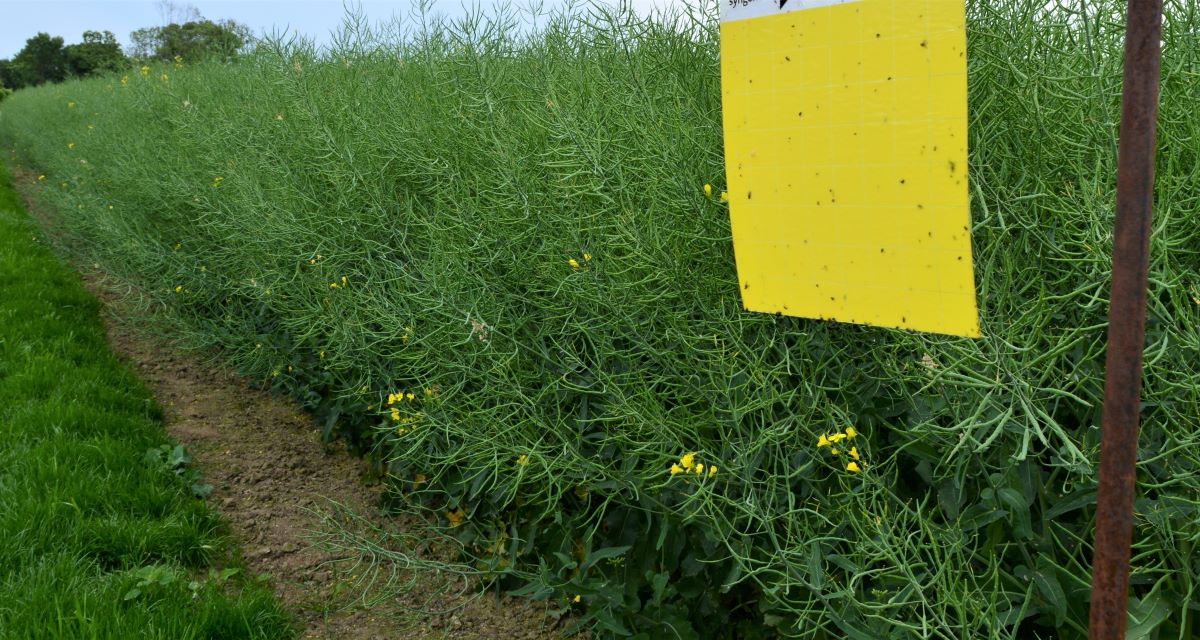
[(101, 531)]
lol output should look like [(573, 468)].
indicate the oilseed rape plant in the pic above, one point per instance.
[(521, 219)]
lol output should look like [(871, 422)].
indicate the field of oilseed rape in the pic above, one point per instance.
[(484, 253)]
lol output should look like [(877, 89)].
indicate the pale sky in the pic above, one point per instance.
[(23, 19)]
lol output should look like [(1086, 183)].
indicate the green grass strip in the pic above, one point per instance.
[(96, 540)]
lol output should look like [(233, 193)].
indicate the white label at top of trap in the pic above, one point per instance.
[(742, 9)]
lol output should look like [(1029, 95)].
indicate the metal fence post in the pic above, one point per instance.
[(1126, 321)]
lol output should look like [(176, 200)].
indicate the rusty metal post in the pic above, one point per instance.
[(1126, 321)]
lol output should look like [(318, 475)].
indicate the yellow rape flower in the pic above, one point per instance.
[(850, 432), (574, 263), (410, 396), (834, 451), (853, 466), (40, 178), (395, 414), (163, 77), (124, 80), (522, 459), (576, 598), (837, 437), (70, 105), (699, 469), (707, 190), (145, 70), (217, 180), (70, 145), (854, 452), (676, 469), (456, 517), (712, 470), (687, 460), (587, 257), (178, 288), (823, 441), (428, 392)]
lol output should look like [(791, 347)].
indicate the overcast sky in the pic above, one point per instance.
[(22, 19)]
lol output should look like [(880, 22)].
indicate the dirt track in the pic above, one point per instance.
[(273, 480)]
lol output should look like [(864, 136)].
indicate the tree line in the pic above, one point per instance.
[(46, 58)]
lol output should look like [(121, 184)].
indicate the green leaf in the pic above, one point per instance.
[(593, 557), (179, 457), (1052, 592), (816, 568), (1146, 615), (1077, 499)]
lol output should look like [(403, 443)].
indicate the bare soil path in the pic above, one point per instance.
[(273, 480)]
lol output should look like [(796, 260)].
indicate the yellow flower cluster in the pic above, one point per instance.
[(687, 464), (522, 459), (334, 285), (394, 398), (708, 193), (124, 81), (217, 180), (832, 441), (456, 517), (70, 105), (406, 422), (145, 71), (576, 265), (406, 336), (163, 77)]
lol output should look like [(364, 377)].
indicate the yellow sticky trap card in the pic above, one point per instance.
[(846, 160)]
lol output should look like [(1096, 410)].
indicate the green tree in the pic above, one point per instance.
[(9, 78), (42, 60), (98, 53), (193, 40)]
